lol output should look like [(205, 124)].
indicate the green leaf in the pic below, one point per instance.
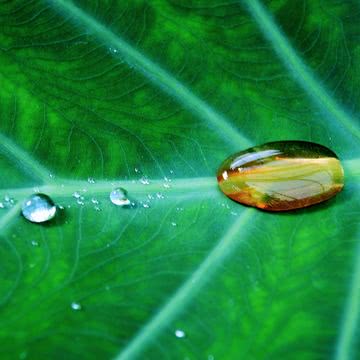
[(130, 92)]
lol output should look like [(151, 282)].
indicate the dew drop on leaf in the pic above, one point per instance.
[(180, 333), (119, 197), (76, 195), (281, 175), (159, 195), (38, 208), (144, 180), (8, 202), (76, 306)]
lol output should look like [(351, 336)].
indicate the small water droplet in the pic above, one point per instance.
[(8, 202), (171, 171), (34, 243), (180, 333), (91, 180), (144, 180), (173, 223), (159, 195), (52, 176), (95, 201), (146, 205), (166, 185), (76, 306), (80, 202), (76, 195), (150, 197), (2, 205), (113, 50), (61, 207), (39, 208), (119, 197), (97, 208), (167, 179), (137, 170)]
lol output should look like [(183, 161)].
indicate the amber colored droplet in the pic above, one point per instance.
[(281, 175)]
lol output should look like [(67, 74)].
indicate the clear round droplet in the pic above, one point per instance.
[(39, 208), (76, 306), (144, 180), (119, 197), (7, 203), (180, 333), (76, 195), (159, 195)]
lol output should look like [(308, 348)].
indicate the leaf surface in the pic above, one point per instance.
[(152, 96)]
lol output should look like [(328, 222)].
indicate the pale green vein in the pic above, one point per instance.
[(153, 72), (297, 68), (203, 186), (352, 169), (182, 297), (22, 160), (350, 322)]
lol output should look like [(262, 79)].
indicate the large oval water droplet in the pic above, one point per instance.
[(282, 175), (39, 208), (119, 197)]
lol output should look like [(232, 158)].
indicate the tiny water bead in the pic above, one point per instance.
[(180, 333), (76, 306), (119, 197), (39, 208), (282, 175), (7, 202)]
